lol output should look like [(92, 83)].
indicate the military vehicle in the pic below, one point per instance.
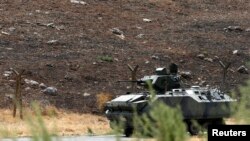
[(203, 105)]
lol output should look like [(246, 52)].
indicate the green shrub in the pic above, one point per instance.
[(163, 123), (105, 58), (242, 108), (37, 126)]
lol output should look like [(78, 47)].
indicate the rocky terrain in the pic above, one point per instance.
[(79, 49)]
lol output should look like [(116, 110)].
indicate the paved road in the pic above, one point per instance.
[(83, 138)]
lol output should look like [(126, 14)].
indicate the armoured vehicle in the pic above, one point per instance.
[(201, 104)]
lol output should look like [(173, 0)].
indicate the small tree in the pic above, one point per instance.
[(18, 96), (133, 76), (162, 122), (241, 108), (225, 67)]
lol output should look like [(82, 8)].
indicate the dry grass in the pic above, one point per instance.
[(101, 99), (197, 138), (64, 123)]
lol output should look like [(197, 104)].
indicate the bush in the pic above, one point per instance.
[(49, 111), (37, 126), (101, 100), (163, 123), (242, 112), (105, 58)]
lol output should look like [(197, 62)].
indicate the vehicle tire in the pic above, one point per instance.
[(219, 121), (128, 131), (193, 129)]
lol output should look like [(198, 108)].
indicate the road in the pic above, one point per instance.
[(83, 138)]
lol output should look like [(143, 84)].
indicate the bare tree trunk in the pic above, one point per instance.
[(18, 96), (225, 69), (133, 76)]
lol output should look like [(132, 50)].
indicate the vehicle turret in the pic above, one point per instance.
[(161, 80)]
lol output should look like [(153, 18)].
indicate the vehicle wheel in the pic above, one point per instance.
[(219, 121), (193, 129), (128, 131)]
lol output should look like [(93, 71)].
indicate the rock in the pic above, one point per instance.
[(147, 20), (9, 96), (117, 31), (216, 58), (233, 28), (155, 57), (12, 29), (5, 33), (182, 61), (121, 36), (209, 59), (61, 27), (7, 73), (201, 56), (116, 59), (49, 25), (52, 42), (138, 27), (27, 89), (86, 94), (166, 57), (186, 74), (9, 48), (242, 69), (247, 30), (42, 86), (31, 82), (140, 36), (69, 77), (236, 52), (78, 2), (50, 91), (147, 62)]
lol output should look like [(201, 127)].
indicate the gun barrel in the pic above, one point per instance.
[(135, 81)]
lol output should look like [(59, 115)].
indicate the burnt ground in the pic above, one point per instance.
[(71, 46)]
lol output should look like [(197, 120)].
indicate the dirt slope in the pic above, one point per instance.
[(72, 47)]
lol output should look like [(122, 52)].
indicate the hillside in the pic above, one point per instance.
[(83, 49)]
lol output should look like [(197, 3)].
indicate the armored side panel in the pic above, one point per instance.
[(199, 104), (124, 107)]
